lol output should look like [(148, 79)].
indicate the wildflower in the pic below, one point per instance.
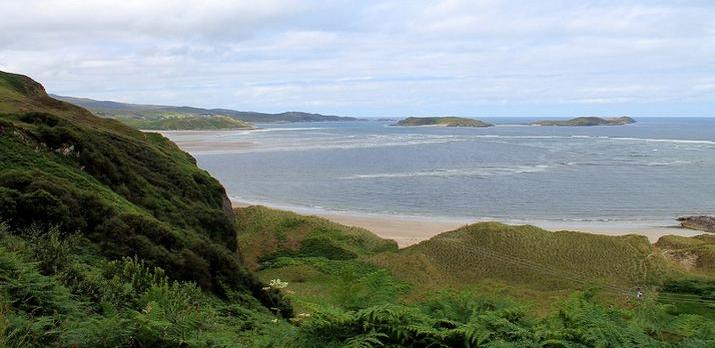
[(304, 315), (274, 321), (277, 284)]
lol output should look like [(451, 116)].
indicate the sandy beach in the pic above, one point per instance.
[(207, 141), (409, 230)]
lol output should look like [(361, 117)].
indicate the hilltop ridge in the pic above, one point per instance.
[(586, 121), (127, 112)]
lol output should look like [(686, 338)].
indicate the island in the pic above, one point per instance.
[(700, 223), (442, 122), (586, 121)]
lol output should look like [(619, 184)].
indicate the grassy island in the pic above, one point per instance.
[(586, 121), (442, 122)]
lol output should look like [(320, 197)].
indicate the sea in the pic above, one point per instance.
[(654, 170)]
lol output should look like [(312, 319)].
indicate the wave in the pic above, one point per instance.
[(339, 141), (476, 172)]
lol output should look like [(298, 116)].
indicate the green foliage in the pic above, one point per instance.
[(84, 300), (528, 257), (265, 234), (187, 122), (442, 121), (465, 320), (126, 192)]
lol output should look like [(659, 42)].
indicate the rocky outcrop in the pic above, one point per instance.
[(701, 223)]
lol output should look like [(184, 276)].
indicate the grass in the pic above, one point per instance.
[(523, 262), (460, 289), (442, 121), (265, 233), (130, 193), (697, 254), (113, 237), (530, 257), (187, 123)]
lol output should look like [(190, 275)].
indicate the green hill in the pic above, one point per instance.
[(76, 193), (110, 237), (189, 123), (529, 257), (442, 122), (586, 121), (509, 285), (141, 112)]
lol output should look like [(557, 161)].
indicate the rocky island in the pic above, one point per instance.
[(701, 223), (586, 121), (442, 122)]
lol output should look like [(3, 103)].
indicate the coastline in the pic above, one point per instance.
[(410, 230)]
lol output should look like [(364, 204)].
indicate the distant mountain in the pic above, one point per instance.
[(586, 121), (126, 111)]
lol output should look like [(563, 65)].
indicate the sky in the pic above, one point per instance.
[(478, 58)]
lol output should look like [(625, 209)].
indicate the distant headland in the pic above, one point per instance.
[(586, 121), (442, 122)]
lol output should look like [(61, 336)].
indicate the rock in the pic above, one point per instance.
[(702, 223)]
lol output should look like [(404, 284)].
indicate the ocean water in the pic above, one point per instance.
[(656, 169)]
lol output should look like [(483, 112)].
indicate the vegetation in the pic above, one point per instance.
[(128, 193), (437, 294), (442, 121), (110, 237), (189, 123), (587, 121), (696, 254), (126, 112), (56, 291)]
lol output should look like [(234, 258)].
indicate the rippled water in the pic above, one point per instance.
[(654, 169)]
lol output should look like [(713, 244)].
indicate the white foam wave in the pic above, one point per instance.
[(476, 172)]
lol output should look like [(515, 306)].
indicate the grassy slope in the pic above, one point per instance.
[(188, 123), (323, 261), (127, 112), (527, 256), (129, 192), (522, 261), (439, 293)]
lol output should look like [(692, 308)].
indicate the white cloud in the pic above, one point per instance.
[(383, 57)]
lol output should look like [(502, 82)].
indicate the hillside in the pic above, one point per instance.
[(514, 285), (442, 122), (527, 256), (87, 204), (586, 121), (111, 237), (189, 123), (126, 111)]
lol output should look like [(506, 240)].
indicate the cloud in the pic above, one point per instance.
[(371, 57)]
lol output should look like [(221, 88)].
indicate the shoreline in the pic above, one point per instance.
[(409, 230)]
